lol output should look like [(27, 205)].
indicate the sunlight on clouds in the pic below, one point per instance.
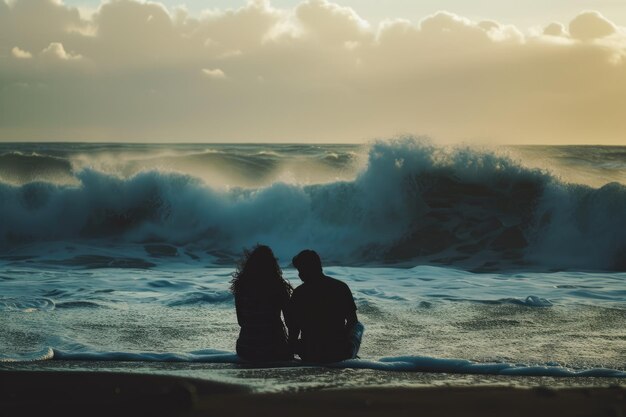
[(56, 50), (315, 72), (331, 22)]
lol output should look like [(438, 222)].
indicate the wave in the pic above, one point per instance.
[(41, 355), (78, 304), (530, 301), (397, 364), (217, 165), (20, 168), (195, 298), (205, 355), (464, 366), (412, 203), (26, 304)]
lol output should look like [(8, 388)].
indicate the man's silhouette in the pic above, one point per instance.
[(323, 313)]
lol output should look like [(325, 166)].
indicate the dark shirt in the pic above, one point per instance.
[(262, 336), (321, 309)]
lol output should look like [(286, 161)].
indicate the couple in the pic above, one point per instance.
[(320, 314)]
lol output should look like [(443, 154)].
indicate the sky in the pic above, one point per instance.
[(532, 72), (525, 13)]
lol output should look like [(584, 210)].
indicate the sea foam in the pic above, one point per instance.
[(393, 364)]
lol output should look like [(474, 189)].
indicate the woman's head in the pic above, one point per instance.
[(259, 268)]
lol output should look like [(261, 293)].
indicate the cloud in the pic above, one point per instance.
[(443, 23), (318, 72), (34, 24), (331, 22), (555, 29), (214, 73), (56, 51), (591, 25), (20, 54), (241, 29)]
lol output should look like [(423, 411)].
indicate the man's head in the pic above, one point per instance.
[(308, 264)]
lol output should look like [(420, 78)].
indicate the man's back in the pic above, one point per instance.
[(320, 309)]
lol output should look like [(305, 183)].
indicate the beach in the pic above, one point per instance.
[(112, 393), (485, 285)]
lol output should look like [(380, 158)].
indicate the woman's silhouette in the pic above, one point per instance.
[(261, 294)]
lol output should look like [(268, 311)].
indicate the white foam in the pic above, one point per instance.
[(394, 364), (42, 355)]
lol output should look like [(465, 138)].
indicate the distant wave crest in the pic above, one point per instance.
[(21, 168)]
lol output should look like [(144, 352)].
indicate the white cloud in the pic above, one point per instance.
[(446, 22), (56, 50), (20, 54), (328, 21), (591, 25), (215, 73)]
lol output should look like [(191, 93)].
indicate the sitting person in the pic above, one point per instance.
[(322, 312), (261, 294)]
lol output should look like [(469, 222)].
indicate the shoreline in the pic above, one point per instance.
[(104, 393)]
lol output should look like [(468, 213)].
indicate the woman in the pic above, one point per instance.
[(261, 294)]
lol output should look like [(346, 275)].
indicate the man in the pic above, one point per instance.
[(323, 313)]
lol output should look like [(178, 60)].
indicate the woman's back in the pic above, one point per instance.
[(261, 294), (263, 336)]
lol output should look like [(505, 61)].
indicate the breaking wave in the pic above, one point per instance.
[(412, 203)]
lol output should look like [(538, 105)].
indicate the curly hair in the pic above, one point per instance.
[(259, 269)]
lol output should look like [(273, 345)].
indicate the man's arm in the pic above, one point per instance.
[(351, 318), (293, 323), (294, 333), (292, 326)]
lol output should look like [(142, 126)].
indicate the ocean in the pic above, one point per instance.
[(468, 262)]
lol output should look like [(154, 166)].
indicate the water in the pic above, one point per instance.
[(465, 261)]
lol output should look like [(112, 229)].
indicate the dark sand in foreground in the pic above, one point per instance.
[(108, 393)]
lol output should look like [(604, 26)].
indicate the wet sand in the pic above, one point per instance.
[(109, 393)]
